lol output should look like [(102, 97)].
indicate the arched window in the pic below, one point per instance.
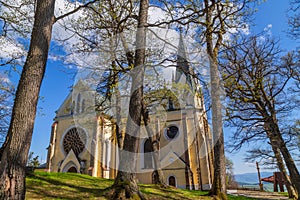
[(78, 103), (172, 181), (83, 105), (148, 155)]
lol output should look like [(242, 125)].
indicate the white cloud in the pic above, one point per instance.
[(4, 79), (268, 29), (10, 48)]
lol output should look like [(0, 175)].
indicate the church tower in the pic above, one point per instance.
[(184, 136)]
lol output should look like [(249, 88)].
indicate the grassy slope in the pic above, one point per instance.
[(42, 185)]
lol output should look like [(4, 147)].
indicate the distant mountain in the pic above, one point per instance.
[(251, 178)]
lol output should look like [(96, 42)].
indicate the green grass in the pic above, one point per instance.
[(43, 185)]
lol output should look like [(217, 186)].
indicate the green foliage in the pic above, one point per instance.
[(33, 161)]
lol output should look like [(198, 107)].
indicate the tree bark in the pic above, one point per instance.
[(125, 185), (18, 140), (277, 141), (159, 175), (280, 164), (219, 179)]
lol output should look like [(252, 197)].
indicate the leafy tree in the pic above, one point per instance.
[(256, 79), (33, 161)]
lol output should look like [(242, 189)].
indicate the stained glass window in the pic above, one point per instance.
[(74, 139)]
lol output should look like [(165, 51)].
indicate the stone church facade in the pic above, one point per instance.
[(84, 141)]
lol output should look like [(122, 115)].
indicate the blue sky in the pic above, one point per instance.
[(57, 82)]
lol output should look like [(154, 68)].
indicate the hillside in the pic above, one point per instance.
[(251, 178), (42, 185)]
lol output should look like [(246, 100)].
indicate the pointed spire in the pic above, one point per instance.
[(182, 67)]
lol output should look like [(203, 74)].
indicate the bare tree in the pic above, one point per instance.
[(256, 79), (294, 19), (6, 98)]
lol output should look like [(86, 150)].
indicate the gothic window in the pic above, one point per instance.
[(106, 153), (78, 104), (72, 107), (74, 139), (171, 104), (172, 132), (148, 155), (172, 181), (83, 105)]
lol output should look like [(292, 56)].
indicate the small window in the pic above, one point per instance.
[(172, 132)]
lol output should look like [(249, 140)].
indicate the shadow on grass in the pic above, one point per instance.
[(48, 187), (170, 192)]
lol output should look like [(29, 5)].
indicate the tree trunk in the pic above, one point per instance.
[(289, 162), (125, 185), (280, 164), (159, 176), (271, 126), (219, 179), (120, 138), (18, 140)]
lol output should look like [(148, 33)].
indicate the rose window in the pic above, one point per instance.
[(74, 139)]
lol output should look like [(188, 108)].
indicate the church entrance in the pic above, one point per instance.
[(72, 170), (154, 178), (172, 181)]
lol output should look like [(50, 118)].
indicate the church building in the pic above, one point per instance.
[(84, 140)]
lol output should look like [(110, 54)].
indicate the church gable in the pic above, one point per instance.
[(77, 100), (66, 107), (172, 161), (70, 162)]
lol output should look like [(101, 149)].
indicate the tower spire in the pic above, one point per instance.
[(182, 66)]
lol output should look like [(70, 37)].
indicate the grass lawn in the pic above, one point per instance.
[(43, 185)]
